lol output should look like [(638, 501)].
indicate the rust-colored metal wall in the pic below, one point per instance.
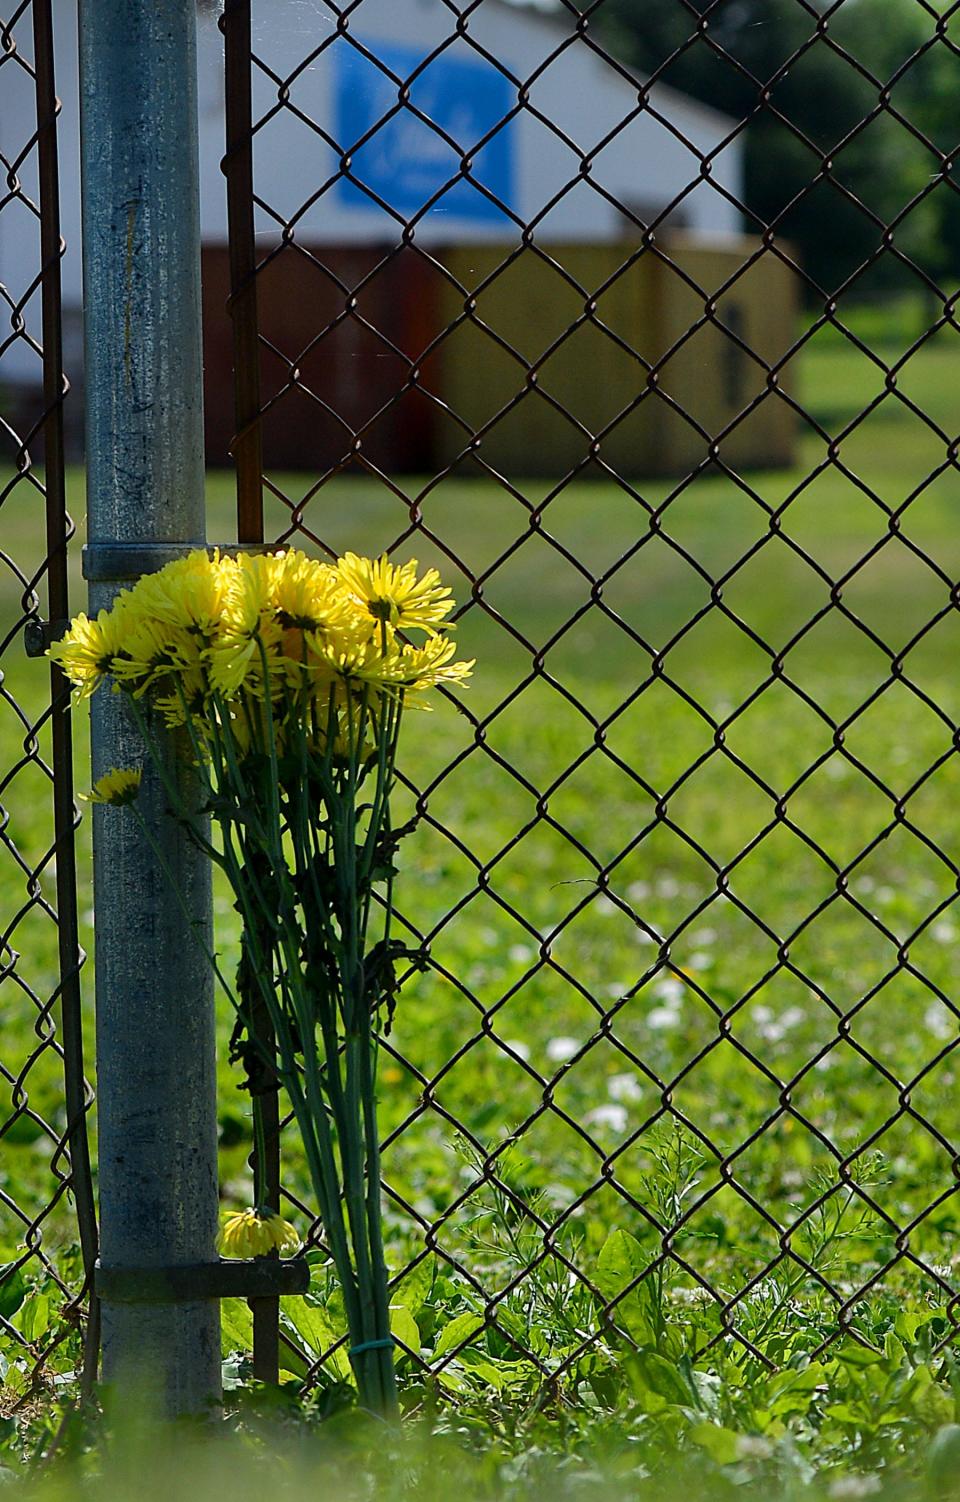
[(344, 328), (649, 349), (326, 376)]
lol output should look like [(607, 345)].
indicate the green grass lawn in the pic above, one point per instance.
[(689, 906)]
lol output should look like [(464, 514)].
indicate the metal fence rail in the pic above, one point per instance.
[(46, 1097), (265, 84)]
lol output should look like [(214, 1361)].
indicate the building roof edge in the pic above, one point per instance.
[(552, 12)]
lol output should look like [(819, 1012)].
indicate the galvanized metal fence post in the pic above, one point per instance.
[(145, 473)]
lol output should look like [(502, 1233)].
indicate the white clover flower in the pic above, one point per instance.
[(687, 1295), (771, 1032), (938, 1021), (559, 1050), (522, 1050), (854, 1486), (772, 1026), (614, 1117), (944, 932), (669, 990), (520, 954), (662, 1018), (624, 1087), (605, 906)]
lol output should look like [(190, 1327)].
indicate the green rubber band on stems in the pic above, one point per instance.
[(372, 1345)]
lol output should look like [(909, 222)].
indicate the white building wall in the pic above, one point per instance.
[(20, 229), (537, 171), (643, 165)]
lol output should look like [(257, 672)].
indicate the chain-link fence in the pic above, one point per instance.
[(45, 1187), (516, 288), (687, 856)]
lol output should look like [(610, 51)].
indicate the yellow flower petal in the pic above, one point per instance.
[(391, 594), (251, 1233), (90, 649), (117, 787)]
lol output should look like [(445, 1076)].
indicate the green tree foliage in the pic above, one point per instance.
[(826, 163)]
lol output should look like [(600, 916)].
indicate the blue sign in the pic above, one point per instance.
[(405, 162)]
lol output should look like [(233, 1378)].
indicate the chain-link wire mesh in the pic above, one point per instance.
[(46, 1202), (687, 857)]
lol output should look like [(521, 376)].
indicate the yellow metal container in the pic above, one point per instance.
[(651, 362)]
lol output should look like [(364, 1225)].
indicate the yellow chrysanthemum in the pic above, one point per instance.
[(249, 629), (190, 593), (117, 787), (313, 610), (306, 593), (235, 663), (392, 595), (339, 655), (246, 720), (278, 605), (250, 1233), (278, 625), (91, 648), (155, 649), (189, 696), (415, 669)]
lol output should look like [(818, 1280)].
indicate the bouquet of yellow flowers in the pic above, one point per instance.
[(288, 677)]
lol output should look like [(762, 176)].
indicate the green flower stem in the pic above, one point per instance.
[(379, 823), (346, 1135), (344, 1110), (312, 1116), (260, 1157), (348, 1119), (378, 1360), (360, 1085), (302, 866), (384, 1355)]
